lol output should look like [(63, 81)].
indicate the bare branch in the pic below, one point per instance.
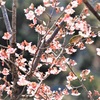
[(91, 9), (6, 19), (83, 86)]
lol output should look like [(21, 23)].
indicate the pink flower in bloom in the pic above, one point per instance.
[(26, 10), (7, 36), (47, 3), (65, 92), (69, 87), (10, 50), (49, 60), (20, 46), (55, 45), (31, 87), (3, 54), (71, 77), (24, 45), (40, 29), (40, 9), (71, 62), (20, 61), (2, 3), (98, 51), (74, 4), (70, 50), (81, 45), (49, 50), (31, 6), (53, 70), (89, 41), (32, 49), (99, 34), (22, 81), (30, 15), (9, 91), (69, 10), (75, 93), (5, 71), (2, 86), (84, 73)]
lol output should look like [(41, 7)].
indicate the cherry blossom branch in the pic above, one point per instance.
[(91, 9), (55, 32), (83, 86)]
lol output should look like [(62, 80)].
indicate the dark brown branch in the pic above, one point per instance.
[(91, 9), (55, 32), (14, 69), (13, 39)]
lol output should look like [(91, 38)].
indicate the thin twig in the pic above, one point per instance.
[(83, 86), (2, 46), (21, 93), (91, 9)]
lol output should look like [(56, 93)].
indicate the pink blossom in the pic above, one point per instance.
[(2, 86), (84, 73), (81, 45), (49, 50), (22, 81), (69, 87), (20, 46), (49, 60), (30, 15), (70, 50), (98, 51), (98, 33), (40, 29), (10, 50), (2, 3), (47, 3), (26, 10), (55, 45), (5, 71), (65, 92), (40, 9), (72, 62), (7, 36), (89, 41), (53, 70), (75, 93), (74, 4), (34, 21), (20, 61), (3, 54), (31, 6), (69, 10), (32, 49), (71, 77), (8, 90)]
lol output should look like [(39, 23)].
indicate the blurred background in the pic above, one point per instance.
[(85, 59)]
